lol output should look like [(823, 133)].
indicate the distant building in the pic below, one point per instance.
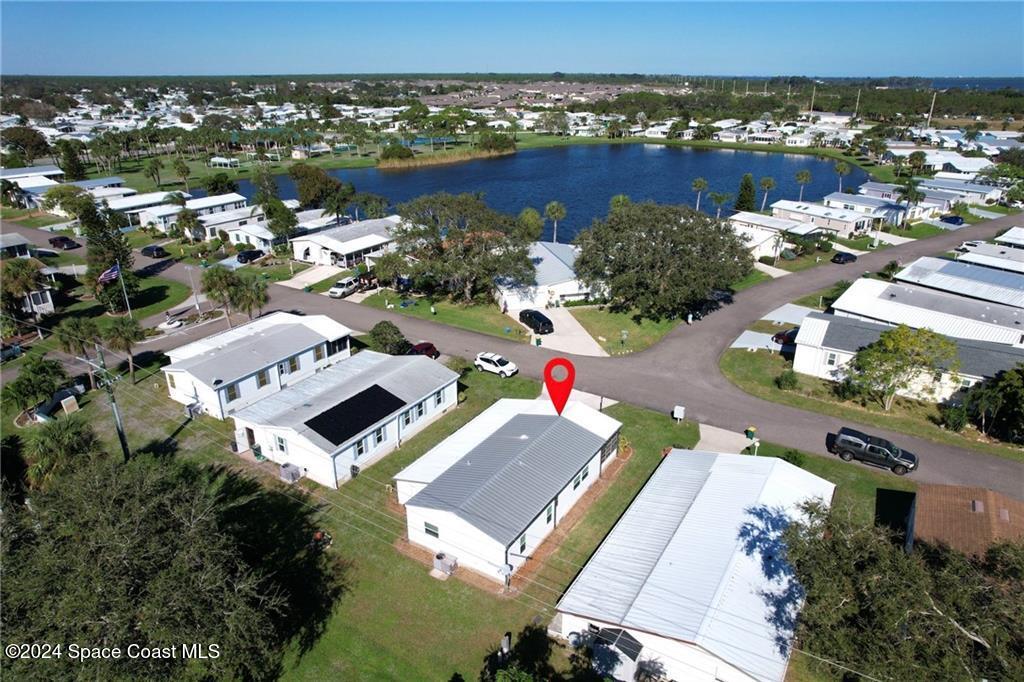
[(345, 245), (880, 210), (838, 221)]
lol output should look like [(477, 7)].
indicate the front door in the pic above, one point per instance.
[(250, 437)]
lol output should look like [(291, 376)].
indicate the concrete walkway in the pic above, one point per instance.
[(569, 335), (789, 314), (755, 341), (311, 276), (714, 439), (982, 213), (894, 239), (771, 270)]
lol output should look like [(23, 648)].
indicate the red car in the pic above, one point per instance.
[(425, 348), (787, 337)]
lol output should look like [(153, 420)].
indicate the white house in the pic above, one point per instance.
[(490, 493), (836, 220), (678, 588), (555, 279), (995, 256), (223, 221), (826, 344), (165, 216), (967, 191), (1014, 238), (225, 372), (52, 173), (134, 204), (880, 210), (340, 420), (934, 202), (761, 233), (943, 313), (14, 245), (345, 245)]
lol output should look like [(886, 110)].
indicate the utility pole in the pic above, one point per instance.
[(766, 87), (747, 91), (856, 107), (107, 380), (931, 109), (814, 91)]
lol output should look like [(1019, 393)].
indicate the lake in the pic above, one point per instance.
[(585, 177)]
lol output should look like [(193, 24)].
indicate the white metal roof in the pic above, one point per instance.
[(765, 221), (995, 256), (922, 308), (1014, 236), (215, 200), (322, 324), (678, 563), (357, 236), (966, 279), (817, 210), (454, 447), (140, 201)]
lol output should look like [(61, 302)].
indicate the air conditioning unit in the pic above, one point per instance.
[(289, 473), (354, 470), (445, 563)]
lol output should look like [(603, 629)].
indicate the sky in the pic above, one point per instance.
[(747, 38)]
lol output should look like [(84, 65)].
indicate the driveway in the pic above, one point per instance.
[(569, 335), (311, 276)]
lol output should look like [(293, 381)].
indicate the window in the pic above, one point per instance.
[(419, 410), (293, 363), (431, 530), (379, 435), (522, 544), (231, 392), (360, 447), (937, 377), (170, 381), (438, 398), (830, 360), (319, 353), (576, 481), (407, 418), (966, 383), (262, 378), (282, 445), (336, 346), (550, 513), (585, 473)]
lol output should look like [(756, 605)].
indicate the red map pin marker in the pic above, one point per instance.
[(559, 389)]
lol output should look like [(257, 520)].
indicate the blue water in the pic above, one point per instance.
[(978, 83), (585, 177)]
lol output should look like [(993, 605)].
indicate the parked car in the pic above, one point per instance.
[(537, 321), (343, 287), (851, 444), (786, 337), (250, 255), (9, 351), (951, 220), (967, 246), (63, 242), (154, 251), (496, 364), (843, 258), (425, 348)]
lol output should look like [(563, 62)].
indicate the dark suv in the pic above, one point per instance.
[(63, 242), (537, 321), (850, 444)]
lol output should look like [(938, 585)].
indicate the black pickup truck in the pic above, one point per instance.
[(850, 444)]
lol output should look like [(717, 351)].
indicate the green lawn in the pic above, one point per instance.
[(59, 258), (920, 231), (753, 279), (768, 326), (806, 261), (38, 221), (606, 327), (755, 373), (278, 272), (11, 213), (485, 318), (861, 243), (996, 208), (139, 238), (822, 298)]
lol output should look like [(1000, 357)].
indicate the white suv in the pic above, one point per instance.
[(343, 288), (496, 364)]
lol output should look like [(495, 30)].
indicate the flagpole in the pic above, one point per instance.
[(120, 276)]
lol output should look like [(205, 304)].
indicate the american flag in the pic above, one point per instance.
[(110, 274)]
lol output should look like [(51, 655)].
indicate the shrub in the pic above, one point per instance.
[(787, 381), (824, 245), (845, 390), (953, 417), (794, 457), (766, 260), (388, 338), (395, 151)]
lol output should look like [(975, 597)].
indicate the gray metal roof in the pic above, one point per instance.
[(865, 200), (676, 564), (555, 263), (507, 480), (9, 239), (411, 378), (246, 356), (966, 279), (29, 170), (110, 181), (977, 358)]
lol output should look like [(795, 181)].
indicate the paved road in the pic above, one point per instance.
[(683, 368)]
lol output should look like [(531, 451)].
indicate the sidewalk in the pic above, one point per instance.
[(771, 270)]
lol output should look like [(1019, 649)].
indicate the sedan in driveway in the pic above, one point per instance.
[(425, 348), (250, 255), (786, 337), (951, 220), (843, 258), (154, 251)]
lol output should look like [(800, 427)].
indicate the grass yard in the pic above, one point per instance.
[(768, 326), (38, 221), (996, 208), (606, 327), (921, 231), (278, 272), (55, 258), (861, 243), (139, 238), (483, 318), (11, 213), (753, 279), (822, 298), (806, 261), (755, 373)]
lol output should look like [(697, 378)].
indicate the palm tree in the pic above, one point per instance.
[(22, 276), (218, 283), (249, 294), (842, 170), (75, 335), (554, 212), (177, 198), (56, 444), (890, 269), (699, 185), (182, 170), (719, 199), (803, 178), (188, 223), (153, 168), (38, 379), (911, 193), (777, 243), (898, 163), (122, 335), (338, 200), (767, 185)]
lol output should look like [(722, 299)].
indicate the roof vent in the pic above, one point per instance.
[(218, 382), (523, 436), (977, 506)]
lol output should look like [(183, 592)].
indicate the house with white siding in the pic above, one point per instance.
[(680, 588), (226, 372), (763, 234), (555, 281), (165, 216), (345, 245), (488, 495), (880, 210), (841, 222), (339, 420)]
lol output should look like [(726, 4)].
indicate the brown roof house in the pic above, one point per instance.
[(967, 519)]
